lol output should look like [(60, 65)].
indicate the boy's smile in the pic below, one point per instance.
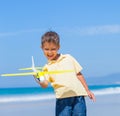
[(50, 50)]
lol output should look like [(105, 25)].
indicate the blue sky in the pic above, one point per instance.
[(89, 30)]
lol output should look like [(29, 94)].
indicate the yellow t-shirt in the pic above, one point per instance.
[(65, 84)]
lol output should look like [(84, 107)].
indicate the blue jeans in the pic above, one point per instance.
[(72, 106)]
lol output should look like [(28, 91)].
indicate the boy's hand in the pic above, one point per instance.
[(91, 95), (42, 82)]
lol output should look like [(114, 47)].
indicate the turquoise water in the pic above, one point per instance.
[(38, 93), (25, 91)]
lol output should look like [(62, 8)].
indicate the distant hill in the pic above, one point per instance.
[(108, 79)]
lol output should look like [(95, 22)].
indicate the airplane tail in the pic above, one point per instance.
[(33, 67)]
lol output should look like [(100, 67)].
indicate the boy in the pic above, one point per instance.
[(70, 88)]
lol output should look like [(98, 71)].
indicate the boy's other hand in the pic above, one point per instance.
[(91, 95)]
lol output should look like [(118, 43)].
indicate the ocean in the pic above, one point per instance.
[(29, 94)]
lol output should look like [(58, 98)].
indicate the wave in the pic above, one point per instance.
[(26, 98), (51, 96), (111, 90)]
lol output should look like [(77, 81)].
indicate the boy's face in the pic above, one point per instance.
[(50, 50)]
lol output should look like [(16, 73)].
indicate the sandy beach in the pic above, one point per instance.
[(105, 105)]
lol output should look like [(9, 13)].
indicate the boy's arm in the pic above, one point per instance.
[(81, 78)]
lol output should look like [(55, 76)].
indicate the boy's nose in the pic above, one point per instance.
[(49, 51)]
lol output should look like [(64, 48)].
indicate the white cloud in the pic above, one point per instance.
[(103, 29), (4, 34), (81, 31)]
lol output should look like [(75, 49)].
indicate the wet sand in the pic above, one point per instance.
[(105, 105)]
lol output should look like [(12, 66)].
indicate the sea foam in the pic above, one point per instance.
[(26, 98), (50, 96), (107, 91)]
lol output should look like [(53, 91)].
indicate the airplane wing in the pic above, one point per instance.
[(20, 74), (30, 68), (39, 73)]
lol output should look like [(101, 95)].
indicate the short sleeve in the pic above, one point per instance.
[(76, 65)]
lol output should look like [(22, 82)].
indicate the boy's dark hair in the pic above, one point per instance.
[(50, 36)]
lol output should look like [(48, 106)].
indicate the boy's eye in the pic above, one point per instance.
[(46, 49), (53, 49)]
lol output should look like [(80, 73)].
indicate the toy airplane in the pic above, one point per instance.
[(37, 72)]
